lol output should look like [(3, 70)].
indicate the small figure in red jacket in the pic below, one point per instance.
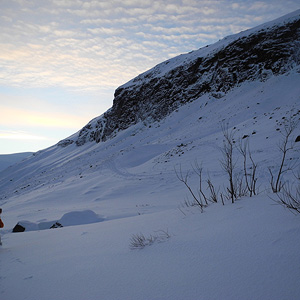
[(1, 224)]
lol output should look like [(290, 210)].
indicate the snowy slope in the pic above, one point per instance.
[(105, 193), (249, 250), (7, 160), (240, 251)]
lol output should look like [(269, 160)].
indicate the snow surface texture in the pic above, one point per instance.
[(127, 186)]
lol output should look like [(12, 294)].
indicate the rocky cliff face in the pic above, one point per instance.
[(257, 54)]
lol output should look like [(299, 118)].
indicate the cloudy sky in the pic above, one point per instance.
[(61, 60)]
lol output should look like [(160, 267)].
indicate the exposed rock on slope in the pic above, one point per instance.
[(257, 54)]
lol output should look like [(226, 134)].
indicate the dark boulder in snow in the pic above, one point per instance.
[(25, 226), (18, 228), (56, 225)]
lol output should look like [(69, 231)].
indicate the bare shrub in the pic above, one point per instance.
[(186, 204), (198, 169), (213, 193), (189, 203), (227, 162), (139, 241), (222, 198), (200, 198), (239, 188), (290, 199), (289, 196), (184, 179), (249, 171), (285, 145)]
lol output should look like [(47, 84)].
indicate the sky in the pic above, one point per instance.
[(61, 60)]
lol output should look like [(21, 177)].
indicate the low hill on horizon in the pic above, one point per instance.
[(7, 160)]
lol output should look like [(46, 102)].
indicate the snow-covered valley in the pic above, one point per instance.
[(106, 193)]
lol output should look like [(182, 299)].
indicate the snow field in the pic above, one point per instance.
[(247, 250)]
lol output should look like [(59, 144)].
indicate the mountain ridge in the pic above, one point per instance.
[(255, 54)]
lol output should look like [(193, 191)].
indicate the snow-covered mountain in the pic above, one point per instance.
[(257, 54), (115, 178)]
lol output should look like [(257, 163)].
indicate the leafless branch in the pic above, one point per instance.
[(249, 172), (227, 162), (284, 146), (184, 180)]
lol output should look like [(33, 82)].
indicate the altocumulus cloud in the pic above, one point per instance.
[(93, 45)]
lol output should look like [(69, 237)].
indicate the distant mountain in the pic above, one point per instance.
[(255, 54), (7, 160)]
